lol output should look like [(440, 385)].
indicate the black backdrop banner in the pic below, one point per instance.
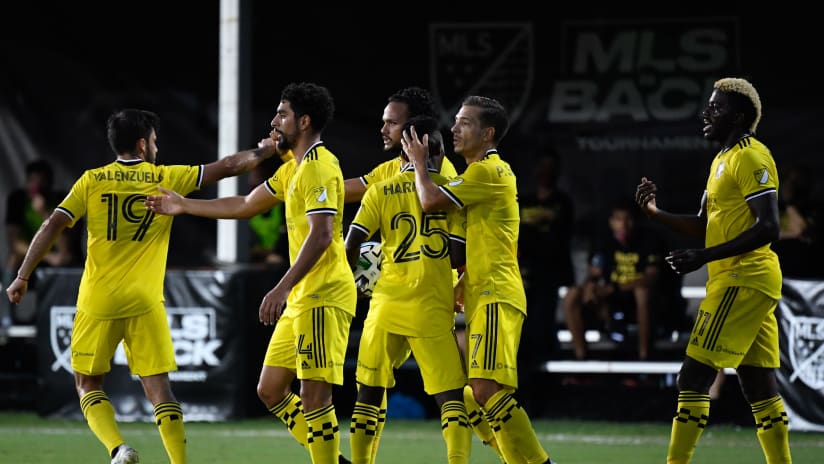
[(219, 345), (801, 377)]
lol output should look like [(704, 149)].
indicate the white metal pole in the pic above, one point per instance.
[(228, 116)]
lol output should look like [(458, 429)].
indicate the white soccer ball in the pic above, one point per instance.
[(368, 268)]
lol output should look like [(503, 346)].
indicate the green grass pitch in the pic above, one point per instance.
[(27, 438)]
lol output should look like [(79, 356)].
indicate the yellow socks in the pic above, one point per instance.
[(687, 425), (290, 411), (99, 414), (323, 436), (513, 429), (772, 429), (478, 422), (381, 423), (456, 432), (169, 418), (363, 432)]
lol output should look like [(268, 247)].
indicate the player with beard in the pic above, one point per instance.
[(311, 335)]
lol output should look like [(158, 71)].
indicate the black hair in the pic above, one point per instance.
[(418, 101), (310, 99), (127, 126), (427, 125)]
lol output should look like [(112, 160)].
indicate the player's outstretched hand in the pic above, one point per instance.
[(169, 203)]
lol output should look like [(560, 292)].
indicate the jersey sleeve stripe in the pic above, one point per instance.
[(758, 194), (361, 228), (321, 211), (199, 176), (66, 212), (457, 238), (451, 196), (269, 188), (363, 180)]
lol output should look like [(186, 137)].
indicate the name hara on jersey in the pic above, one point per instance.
[(399, 187)]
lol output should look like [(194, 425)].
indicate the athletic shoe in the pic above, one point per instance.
[(125, 455)]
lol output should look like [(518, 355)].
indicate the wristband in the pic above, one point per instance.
[(24, 280)]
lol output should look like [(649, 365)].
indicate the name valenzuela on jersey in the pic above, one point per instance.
[(129, 176)]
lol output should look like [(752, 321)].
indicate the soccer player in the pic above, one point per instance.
[(402, 106), (736, 325), (121, 291), (412, 304), (494, 298), (318, 290)]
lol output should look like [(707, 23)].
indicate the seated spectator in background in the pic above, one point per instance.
[(26, 210), (799, 246), (622, 269), (268, 228), (545, 255)]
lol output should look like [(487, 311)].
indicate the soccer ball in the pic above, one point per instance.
[(368, 268)]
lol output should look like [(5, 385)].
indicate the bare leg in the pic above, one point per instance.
[(642, 316), (573, 312)]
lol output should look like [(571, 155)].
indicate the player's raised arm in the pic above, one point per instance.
[(239, 163), (417, 150)]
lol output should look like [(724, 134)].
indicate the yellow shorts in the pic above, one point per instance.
[(312, 344), (492, 338), (146, 338), (735, 326), (381, 352)]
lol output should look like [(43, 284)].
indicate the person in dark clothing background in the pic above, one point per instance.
[(545, 257)]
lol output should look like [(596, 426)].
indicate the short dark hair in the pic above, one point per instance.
[(418, 100), (427, 125), (312, 100), (492, 114), (127, 126)]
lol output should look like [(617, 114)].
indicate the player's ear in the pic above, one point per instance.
[(488, 134), (304, 122)]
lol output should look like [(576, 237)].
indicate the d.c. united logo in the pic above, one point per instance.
[(490, 59)]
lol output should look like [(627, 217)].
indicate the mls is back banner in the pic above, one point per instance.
[(207, 315)]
